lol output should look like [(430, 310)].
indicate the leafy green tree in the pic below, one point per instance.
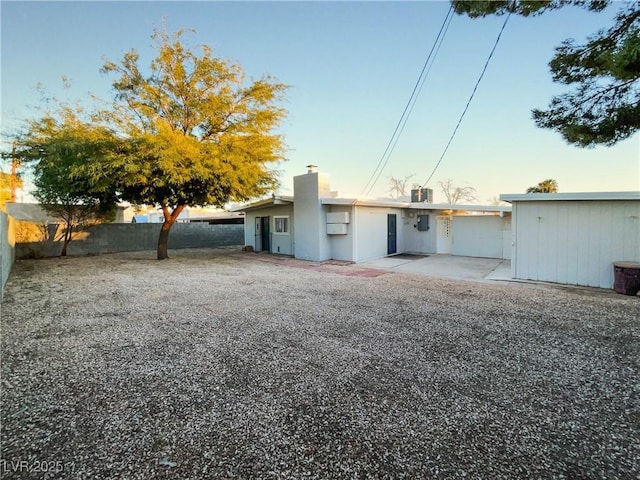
[(196, 134), (61, 149), (546, 186), (188, 131), (604, 106)]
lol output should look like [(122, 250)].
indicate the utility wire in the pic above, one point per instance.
[(413, 103), (399, 125), (455, 130)]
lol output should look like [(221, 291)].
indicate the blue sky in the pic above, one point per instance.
[(351, 67)]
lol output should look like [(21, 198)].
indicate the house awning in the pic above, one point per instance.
[(267, 202)]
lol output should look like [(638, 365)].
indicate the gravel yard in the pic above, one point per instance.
[(214, 364)]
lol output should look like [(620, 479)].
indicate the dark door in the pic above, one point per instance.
[(391, 234), (258, 242), (266, 234)]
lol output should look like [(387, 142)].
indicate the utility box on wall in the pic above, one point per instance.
[(423, 223), (337, 223), (338, 217), (336, 228)]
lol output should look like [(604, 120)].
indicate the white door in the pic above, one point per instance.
[(444, 237)]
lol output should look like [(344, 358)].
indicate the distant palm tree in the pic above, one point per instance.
[(546, 186)]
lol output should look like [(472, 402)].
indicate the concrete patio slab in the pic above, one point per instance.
[(447, 266)]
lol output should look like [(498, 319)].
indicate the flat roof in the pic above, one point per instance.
[(588, 196), (414, 205), (366, 203), (286, 200)]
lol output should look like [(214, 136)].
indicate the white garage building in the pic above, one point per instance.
[(573, 238)]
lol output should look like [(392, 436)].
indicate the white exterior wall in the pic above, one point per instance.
[(416, 241), (507, 236), (574, 242), (311, 241), (250, 228), (371, 232), (280, 243), (343, 246), (479, 236)]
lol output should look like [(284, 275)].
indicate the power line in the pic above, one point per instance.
[(413, 103), (408, 107), (455, 130)]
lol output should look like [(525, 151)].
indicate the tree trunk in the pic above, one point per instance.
[(67, 238), (163, 238)]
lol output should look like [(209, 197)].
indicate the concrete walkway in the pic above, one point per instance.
[(446, 266), (472, 269)]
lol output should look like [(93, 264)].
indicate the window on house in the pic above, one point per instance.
[(281, 224)]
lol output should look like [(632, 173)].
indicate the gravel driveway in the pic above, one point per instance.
[(218, 365)]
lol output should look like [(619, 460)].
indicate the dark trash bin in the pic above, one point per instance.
[(626, 277)]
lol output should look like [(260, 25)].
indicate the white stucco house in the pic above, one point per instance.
[(314, 225), (566, 238), (574, 238)]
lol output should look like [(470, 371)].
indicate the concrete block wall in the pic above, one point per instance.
[(7, 248), (128, 237)]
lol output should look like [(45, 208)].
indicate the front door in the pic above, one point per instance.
[(266, 234), (258, 236), (391, 234)]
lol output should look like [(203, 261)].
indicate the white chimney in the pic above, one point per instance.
[(312, 168)]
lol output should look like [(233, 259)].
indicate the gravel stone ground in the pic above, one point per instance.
[(211, 365)]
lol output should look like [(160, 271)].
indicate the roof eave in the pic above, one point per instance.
[(267, 202), (574, 196)]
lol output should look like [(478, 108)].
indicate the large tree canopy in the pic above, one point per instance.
[(604, 106), (188, 130), (198, 135)]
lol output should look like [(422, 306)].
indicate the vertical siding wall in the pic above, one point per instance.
[(371, 232), (480, 236), (417, 241), (575, 242), (7, 248)]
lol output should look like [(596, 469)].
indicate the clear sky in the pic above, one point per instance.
[(351, 67)]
